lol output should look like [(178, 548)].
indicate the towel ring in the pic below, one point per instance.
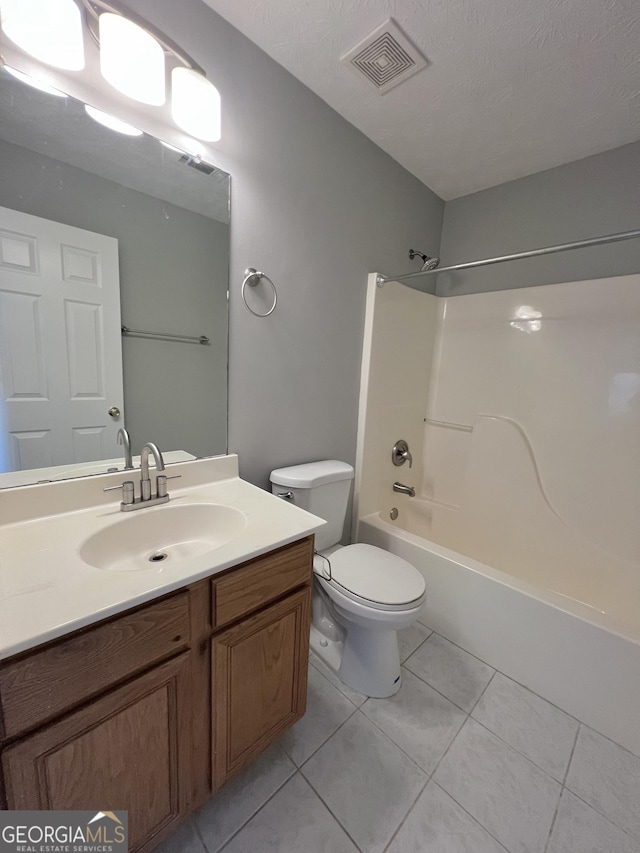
[(252, 277)]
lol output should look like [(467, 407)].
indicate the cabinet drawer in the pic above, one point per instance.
[(260, 581), (45, 683)]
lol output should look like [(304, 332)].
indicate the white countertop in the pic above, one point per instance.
[(47, 589)]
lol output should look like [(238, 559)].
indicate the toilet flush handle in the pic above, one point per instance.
[(286, 496)]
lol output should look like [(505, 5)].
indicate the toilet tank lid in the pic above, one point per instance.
[(312, 474)]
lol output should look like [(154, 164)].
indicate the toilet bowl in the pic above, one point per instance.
[(370, 594), (362, 594)]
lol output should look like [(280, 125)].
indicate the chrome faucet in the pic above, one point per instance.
[(145, 481), (404, 490), (129, 500), (125, 439)]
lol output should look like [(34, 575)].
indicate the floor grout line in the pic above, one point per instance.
[(553, 823), (196, 829), (251, 816), (453, 740), (424, 681), (635, 838), (394, 744), (524, 687), (337, 820), (486, 687), (404, 752), (419, 646), (402, 822), (257, 811), (324, 742), (573, 749), (473, 818), (335, 687), (519, 751)]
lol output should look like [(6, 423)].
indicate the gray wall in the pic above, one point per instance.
[(588, 198), (317, 207), (174, 392)]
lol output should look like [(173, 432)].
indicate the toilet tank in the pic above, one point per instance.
[(321, 488)]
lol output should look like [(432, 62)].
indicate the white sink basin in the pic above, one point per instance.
[(153, 538)]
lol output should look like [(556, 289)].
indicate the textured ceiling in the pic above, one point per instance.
[(513, 86)]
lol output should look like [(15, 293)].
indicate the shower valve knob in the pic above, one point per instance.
[(401, 454)]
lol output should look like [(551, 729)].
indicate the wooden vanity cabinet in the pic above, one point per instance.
[(259, 655), (127, 750), (154, 709)]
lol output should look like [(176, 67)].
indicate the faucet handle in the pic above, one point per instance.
[(401, 454), (128, 491), (161, 483)]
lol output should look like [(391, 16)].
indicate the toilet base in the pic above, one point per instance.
[(367, 661)]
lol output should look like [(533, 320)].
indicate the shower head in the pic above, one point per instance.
[(428, 263)]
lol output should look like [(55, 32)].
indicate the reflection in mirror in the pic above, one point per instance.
[(98, 231)]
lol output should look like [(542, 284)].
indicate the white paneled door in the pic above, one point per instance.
[(60, 343)]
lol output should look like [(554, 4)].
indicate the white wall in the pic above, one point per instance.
[(317, 207)]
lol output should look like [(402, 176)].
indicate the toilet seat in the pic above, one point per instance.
[(372, 577)]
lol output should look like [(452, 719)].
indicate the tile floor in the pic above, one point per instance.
[(461, 760)]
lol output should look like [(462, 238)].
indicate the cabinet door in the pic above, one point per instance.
[(259, 682), (127, 750)]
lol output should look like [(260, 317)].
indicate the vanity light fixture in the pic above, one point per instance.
[(34, 82), (131, 59), (49, 30), (112, 122), (134, 57)]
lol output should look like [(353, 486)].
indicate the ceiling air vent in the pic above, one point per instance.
[(386, 57)]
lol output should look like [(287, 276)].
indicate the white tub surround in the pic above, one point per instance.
[(47, 588), (527, 462), (400, 327)]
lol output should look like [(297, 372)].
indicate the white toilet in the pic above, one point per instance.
[(361, 594)]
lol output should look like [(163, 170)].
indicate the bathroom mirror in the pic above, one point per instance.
[(97, 206)]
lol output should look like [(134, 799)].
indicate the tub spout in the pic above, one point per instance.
[(404, 490)]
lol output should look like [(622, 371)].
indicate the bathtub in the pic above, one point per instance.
[(576, 655)]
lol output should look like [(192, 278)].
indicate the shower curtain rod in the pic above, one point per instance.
[(534, 253)]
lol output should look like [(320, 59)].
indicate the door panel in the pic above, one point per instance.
[(60, 343)]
